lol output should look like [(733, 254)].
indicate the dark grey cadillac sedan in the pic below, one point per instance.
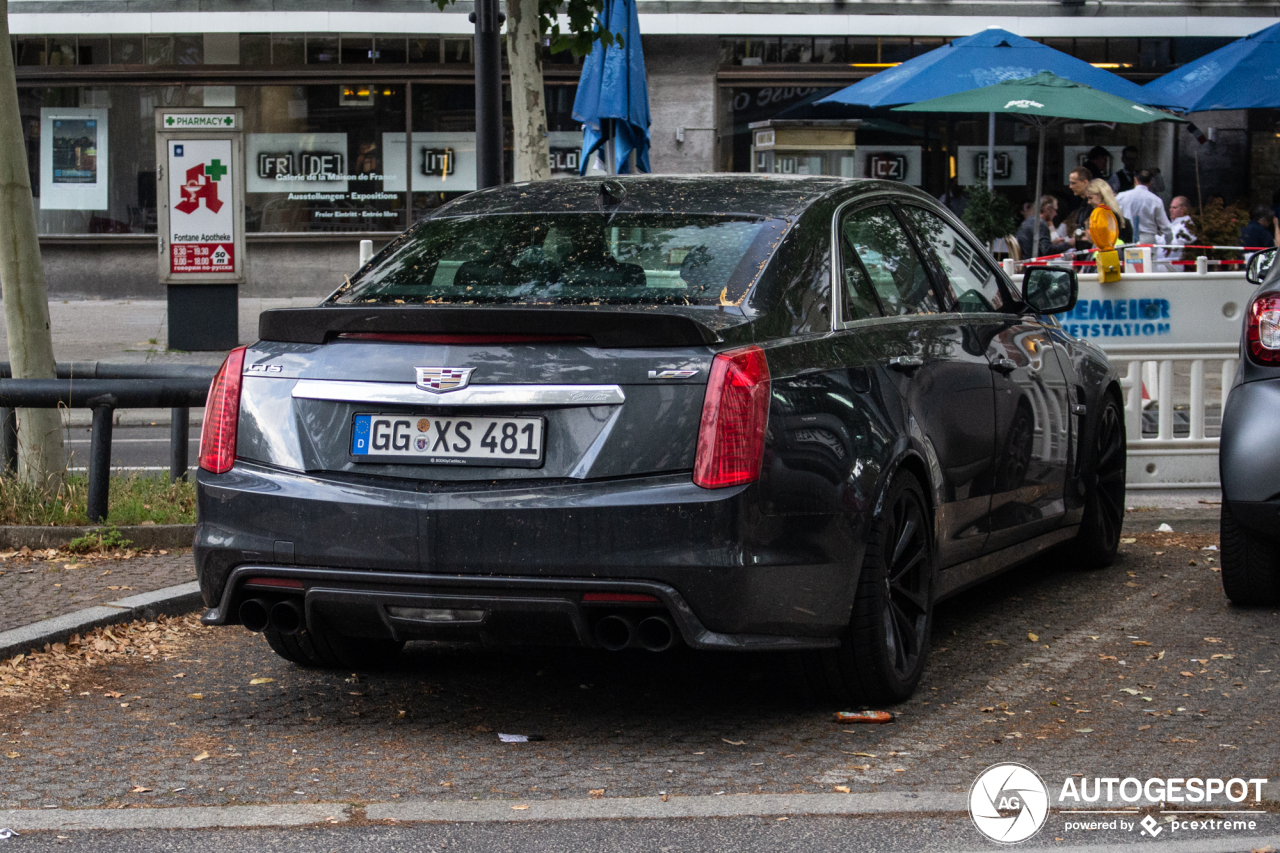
[(732, 412)]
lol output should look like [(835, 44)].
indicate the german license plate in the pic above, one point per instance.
[(447, 440)]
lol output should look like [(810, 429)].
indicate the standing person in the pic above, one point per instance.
[(1122, 178), (1180, 222), (1260, 232), (1076, 223), (1036, 237), (954, 199), (1099, 194), (1145, 210), (1097, 162)]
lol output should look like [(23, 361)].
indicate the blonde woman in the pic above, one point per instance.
[(1099, 192)]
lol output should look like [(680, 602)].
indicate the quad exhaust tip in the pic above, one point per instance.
[(255, 614), (286, 617), (283, 617), (654, 633)]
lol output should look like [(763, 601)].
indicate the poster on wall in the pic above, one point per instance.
[(1074, 156), (296, 162), (889, 163), (73, 158), (202, 206), (1010, 165), (442, 162)]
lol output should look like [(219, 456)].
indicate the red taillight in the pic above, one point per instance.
[(1262, 334), (280, 583), (734, 415), (221, 412)]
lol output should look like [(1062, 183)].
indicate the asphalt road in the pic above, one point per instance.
[(141, 449), (1142, 670)]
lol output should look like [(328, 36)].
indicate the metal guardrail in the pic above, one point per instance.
[(103, 388), (1178, 387)]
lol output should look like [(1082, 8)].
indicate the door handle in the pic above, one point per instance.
[(906, 362), (1004, 365)]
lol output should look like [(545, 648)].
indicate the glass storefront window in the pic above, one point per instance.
[(159, 50), (1091, 50), (255, 49), (316, 157), (62, 50), (188, 49), (30, 50), (895, 49), (94, 50), (424, 49), (357, 50), (829, 50), (290, 50), (864, 50), (126, 50), (797, 50), (391, 50), (457, 51), (92, 155)]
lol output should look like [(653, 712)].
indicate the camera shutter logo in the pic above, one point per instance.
[(1008, 803)]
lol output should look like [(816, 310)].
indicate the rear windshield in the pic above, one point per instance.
[(567, 258)]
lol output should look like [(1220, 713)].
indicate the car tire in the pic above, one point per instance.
[(882, 653), (320, 647), (1250, 564), (1104, 473)]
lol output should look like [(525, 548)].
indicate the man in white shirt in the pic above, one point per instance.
[(1145, 210), (1180, 222)]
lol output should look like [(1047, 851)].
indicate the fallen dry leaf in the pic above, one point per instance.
[(201, 757), (596, 792), (195, 695), (261, 680), (1035, 638), (733, 742), (520, 808), (1141, 643), (138, 789), (1186, 674), (842, 789)]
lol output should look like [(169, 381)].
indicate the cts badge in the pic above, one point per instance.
[(673, 374), (440, 379)]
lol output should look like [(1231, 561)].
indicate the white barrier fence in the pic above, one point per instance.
[(1175, 339)]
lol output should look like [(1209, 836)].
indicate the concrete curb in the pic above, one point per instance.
[(761, 805), (486, 811), (171, 601), (141, 535)]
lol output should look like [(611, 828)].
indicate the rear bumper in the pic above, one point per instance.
[(524, 611), (727, 575)]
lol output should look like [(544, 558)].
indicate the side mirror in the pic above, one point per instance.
[(1050, 291), (1259, 266)]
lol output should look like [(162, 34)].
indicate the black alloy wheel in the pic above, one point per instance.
[(882, 652), (1099, 537)]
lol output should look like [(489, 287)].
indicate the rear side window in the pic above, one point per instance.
[(898, 278), (567, 258), (974, 284)]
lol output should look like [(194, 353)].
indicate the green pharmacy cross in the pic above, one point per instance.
[(215, 169)]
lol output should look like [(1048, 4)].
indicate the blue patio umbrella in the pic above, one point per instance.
[(613, 98), (983, 59), (973, 62), (1242, 75)]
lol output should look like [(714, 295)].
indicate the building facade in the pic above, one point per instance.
[(360, 115)]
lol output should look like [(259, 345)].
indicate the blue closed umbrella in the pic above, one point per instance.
[(613, 98), (1240, 76), (983, 59)]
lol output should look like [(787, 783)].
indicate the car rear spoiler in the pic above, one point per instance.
[(607, 328)]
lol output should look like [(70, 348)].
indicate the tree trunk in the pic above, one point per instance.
[(528, 104), (22, 287)]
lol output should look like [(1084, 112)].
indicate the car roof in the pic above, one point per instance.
[(752, 194)]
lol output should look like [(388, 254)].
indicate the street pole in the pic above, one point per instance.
[(488, 54), (991, 152)]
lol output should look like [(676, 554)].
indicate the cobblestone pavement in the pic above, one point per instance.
[(1141, 669), (53, 587)]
